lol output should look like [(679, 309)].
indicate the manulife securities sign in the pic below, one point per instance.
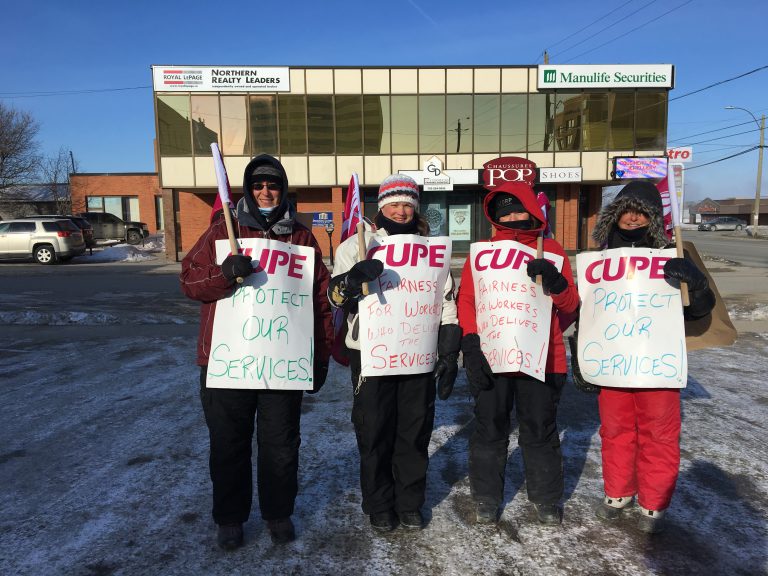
[(553, 76)]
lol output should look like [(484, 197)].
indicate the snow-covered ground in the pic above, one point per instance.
[(103, 460)]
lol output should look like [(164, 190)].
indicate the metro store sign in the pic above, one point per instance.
[(552, 76)]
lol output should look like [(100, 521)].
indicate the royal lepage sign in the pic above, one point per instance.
[(263, 335), (400, 318), (513, 314), (631, 332)]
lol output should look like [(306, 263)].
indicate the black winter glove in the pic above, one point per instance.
[(684, 270), (479, 373), (236, 266), (362, 272), (551, 279), (447, 365), (318, 378)]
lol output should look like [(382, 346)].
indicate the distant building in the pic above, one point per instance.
[(742, 208), (32, 199)]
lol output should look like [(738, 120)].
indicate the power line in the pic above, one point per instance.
[(722, 159), (724, 137), (14, 95), (587, 26), (629, 31), (709, 131), (718, 83)]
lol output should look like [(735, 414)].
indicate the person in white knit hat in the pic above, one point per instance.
[(393, 415)]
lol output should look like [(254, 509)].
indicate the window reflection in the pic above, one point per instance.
[(404, 123), (349, 124), (205, 123), (264, 124), (651, 120), (293, 124), (567, 121), (621, 112), (432, 124), (234, 126), (486, 123), (173, 125), (540, 122), (514, 122), (595, 122), (376, 119), (320, 124), (459, 123)]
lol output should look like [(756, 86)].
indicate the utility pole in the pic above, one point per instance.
[(458, 131), (72, 159), (756, 208)]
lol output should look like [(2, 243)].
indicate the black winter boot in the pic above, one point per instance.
[(549, 514), (230, 536), (384, 521), (281, 531)]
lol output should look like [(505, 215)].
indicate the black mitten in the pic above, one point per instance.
[(362, 272), (236, 266), (318, 378), (447, 365), (683, 270), (551, 279), (479, 373)]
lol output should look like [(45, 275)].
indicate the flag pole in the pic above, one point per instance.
[(223, 184), (361, 252), (672, 187)]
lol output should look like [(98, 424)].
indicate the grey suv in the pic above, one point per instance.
[(107, 226), (722, 223), (43, 239)]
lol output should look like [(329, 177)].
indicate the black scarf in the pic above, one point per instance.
[(634, 238), (394, 228)]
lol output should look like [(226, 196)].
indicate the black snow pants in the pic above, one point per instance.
[(536, 409), (393, 418), (230, 415)]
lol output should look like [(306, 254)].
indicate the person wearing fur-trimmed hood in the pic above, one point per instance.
[(640, 428), (393, 415)]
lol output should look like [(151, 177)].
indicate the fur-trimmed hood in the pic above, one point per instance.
[(640, 196)]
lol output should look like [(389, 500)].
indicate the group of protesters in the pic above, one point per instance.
[(393, 414)]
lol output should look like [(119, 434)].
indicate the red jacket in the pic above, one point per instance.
[(564, 303), (201, 279)]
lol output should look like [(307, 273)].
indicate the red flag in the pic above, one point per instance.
[(351, 214), (666, 204), (543, 202), (222, 180)]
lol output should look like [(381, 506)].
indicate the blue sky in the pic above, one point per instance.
[(58, 47)]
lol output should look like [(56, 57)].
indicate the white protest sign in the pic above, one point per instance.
[(263, 335), (400, 318), (631, 332), (513, 313)]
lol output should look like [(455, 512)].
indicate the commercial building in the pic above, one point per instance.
[(442, 125)]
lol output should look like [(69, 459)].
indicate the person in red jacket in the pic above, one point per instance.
[(515, 215), (263, 212)]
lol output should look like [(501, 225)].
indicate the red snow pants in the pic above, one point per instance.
[(640, 432)]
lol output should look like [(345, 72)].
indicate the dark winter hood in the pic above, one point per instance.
[(641, 196), (282, 217), (527, 197)]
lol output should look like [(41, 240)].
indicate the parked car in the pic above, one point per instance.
[(722, 223), (46, 240), (82, 223), (107, 226)]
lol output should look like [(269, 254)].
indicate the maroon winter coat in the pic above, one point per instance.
[(564, 303), (202, 279)]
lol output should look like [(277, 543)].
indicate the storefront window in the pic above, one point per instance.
[(234, 126), (595, 122), (293, 125), (621, 114), (514, 122), (376, 125), (173, 125), (264, 123), (320, 124), (567, 121), (651, 120), (349, 124), (205, 123), (431, 124), (404, 123), (486, 124), (540, 122), (459, 120)]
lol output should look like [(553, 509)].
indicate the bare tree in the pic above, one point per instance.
[(54, 173), (18, 147)]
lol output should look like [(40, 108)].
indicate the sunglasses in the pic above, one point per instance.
[(271, 186)]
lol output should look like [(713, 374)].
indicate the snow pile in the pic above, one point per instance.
[(748, 311), (148, 250)]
